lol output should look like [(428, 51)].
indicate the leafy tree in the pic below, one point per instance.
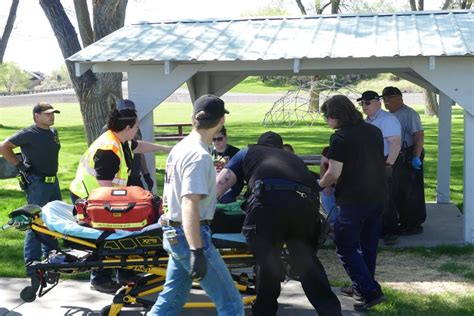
[(8, 28), (13, 78), (95, 92)]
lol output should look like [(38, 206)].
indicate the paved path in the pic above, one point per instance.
[(180, 95), (75, 298)]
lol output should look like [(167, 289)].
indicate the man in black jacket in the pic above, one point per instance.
[(282, 208)]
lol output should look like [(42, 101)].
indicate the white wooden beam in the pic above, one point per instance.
[(148, 86), (468, 178), (416, 79), (444, 149), (81, 68)]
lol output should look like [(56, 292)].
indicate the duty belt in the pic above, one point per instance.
[(168, 222), (302, 190)]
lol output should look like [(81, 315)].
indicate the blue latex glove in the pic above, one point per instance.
[(416, 163)]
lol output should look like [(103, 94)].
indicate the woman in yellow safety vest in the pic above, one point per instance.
[(107, 162)]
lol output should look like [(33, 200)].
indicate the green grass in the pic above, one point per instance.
[(245, 125)]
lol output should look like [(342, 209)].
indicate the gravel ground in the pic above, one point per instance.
[(408, 272)]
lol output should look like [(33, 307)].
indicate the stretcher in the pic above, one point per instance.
[(86, 248)]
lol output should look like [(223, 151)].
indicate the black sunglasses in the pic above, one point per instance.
[(218, 139), (365, 102)]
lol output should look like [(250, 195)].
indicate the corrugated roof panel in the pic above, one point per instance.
[(438, 33)]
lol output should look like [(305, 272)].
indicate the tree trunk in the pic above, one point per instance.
[(335, 6), (7, 31), (431, 103), (413, 5), (314, 95), (95, 92), (421, 5)]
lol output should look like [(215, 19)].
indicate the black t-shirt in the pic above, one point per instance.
[(39, 148), (107, 163), (265, 162), (360, 149), (220, 159)]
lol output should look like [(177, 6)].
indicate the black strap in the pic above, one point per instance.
[(102, 237)]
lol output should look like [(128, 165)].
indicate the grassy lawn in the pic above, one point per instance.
[(244, 125)]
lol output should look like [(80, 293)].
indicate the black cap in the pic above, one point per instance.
[(44, 107), (271, 139), (391, 91), (369, 95), (208, 107), (125, 104)]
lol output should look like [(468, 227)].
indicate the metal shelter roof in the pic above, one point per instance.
[(429, 33)]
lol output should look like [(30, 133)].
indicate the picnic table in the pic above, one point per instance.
[(313, 160), (172, 136)]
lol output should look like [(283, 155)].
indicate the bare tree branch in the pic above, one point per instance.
[(84, 22), (301, 7), (7, 31)]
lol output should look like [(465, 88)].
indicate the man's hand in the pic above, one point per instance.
[(416, 163), (148, 181), (23, 167), (319, 188), (198, 264)]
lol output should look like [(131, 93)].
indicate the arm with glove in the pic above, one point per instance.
[(192, 231), (418, 142)]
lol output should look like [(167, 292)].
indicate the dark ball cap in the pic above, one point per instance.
[(391, 91), (208, 107), (271, 139), (125, 104), (369, 95), (44, 107)]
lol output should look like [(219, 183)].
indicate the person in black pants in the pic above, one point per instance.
[(281, 207), (357, 167)]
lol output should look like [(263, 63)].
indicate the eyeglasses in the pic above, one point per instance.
[(365, 102), (218, 139)]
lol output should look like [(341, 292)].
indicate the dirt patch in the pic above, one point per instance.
[(408, 272)]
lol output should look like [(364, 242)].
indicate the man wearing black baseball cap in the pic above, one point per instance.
[(189, 196), (38, 165), (409, 194)]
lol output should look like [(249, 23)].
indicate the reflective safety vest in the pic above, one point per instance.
[(86, 176)]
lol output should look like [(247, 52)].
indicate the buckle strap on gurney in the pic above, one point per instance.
[(102, 237)]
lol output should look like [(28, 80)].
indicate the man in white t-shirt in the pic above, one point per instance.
[(189, 204), (391, 132)]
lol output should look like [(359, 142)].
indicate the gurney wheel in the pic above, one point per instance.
[(28, 294)]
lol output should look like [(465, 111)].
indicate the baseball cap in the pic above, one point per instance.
[(44, 107), (209, 107), (125, 104), (369, 95), (271, 139), (391, 91)]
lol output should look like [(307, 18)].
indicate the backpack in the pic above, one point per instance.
[(127, 208)]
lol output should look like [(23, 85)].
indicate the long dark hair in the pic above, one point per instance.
[(339, 107), (119, 119)]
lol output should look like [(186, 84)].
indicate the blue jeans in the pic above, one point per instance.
[(217, 283), (356, 236), (40, 193), (329, 207)]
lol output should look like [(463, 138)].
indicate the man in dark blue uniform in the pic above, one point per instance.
[(357, 167), (282, 207), (39, 144)]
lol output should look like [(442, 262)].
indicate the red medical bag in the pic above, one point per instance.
[(128, 208)]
